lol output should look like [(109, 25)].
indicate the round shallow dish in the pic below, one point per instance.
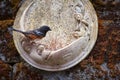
[(74, 32)]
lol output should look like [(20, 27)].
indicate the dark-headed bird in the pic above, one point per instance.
[(34, 34)]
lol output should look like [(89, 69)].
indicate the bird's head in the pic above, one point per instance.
[(44, 29)]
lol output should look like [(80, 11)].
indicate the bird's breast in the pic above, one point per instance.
[(33, 36)]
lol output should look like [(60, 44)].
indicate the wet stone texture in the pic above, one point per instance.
[(103, 63)]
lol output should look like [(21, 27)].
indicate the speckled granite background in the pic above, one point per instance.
[(103, 63)]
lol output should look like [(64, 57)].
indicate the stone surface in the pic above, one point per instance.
[(5, 71), (103, 63), (22, 71), (8, 51)]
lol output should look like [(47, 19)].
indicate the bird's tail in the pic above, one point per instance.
[(11, 29)]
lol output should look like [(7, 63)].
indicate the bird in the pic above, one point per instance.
[(34, 34)]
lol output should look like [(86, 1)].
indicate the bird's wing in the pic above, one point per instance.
[(39, 33)]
